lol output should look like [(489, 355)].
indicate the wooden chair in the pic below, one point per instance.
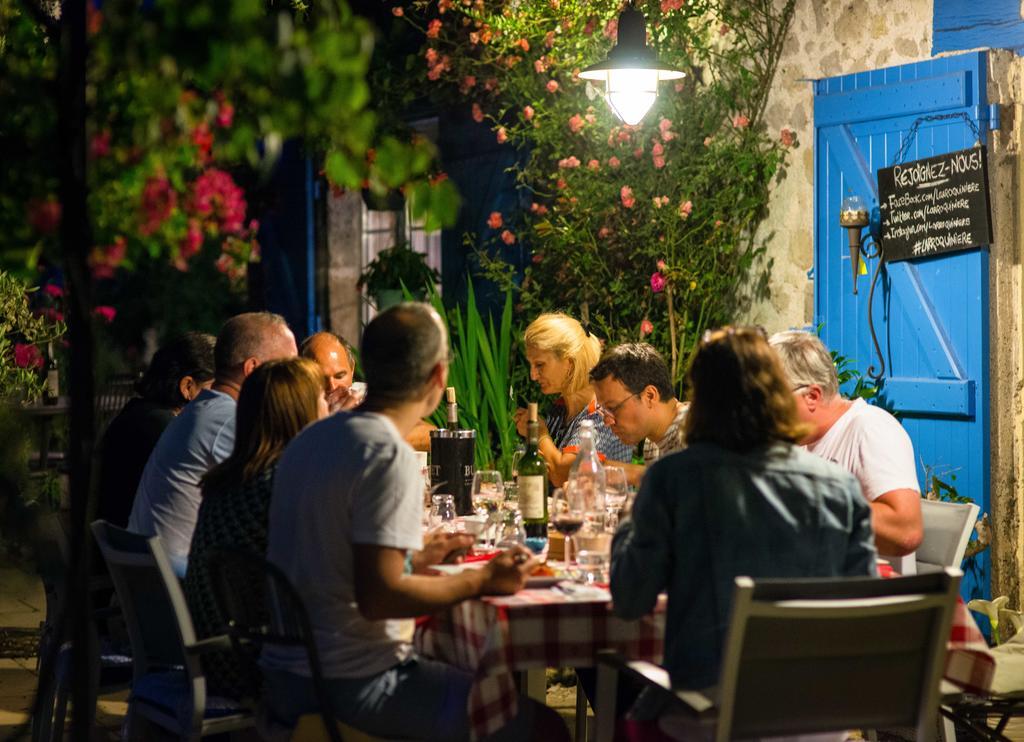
[(814, 656), (168, 685)]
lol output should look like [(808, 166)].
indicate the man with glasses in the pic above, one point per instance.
[(863, 439), (635, 395)]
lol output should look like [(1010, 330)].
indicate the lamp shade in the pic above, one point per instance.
[(631, 72)]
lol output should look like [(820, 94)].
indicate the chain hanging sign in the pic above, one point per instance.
[(936, 205)]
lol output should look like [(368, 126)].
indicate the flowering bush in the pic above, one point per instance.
[(189, 105), (682, 192), (23, 335)]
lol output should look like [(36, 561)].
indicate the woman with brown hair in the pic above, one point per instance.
[(561, 353), (741, 499), (276, 401)]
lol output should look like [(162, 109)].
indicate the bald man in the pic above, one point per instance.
[(334, 356)]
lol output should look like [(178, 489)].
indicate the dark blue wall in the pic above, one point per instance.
[(973, 24)]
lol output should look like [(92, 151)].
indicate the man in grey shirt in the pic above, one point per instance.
[(167, 501), (345, 527)]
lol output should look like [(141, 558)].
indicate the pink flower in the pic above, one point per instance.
[(99, 146), (478, 113), (626, 194), (658, 283), (613, 162), (115, 252), (552, 86), (787, 137), (707, 141), (502, 135), (158, 201), (202, 138), (740, 121), (225, 115), (539, 65), (549, 39), (216, 197), (523, 44), (467, 82), (433, 29), (646, 328), (661, 265), (660, 201), (189, 245), (560, 184), (27, 356), (105, 313), (443, 6), (431, 56), (659, 162), (397, 11), (657, 150), (569, 162), (668, 5), (537, 258), (474, 38), (679, 87), (594, 165), (44, 216), (538, 209), (718, 223), (590, 118), (638, 152), (723, 30), (53, 290), (528, 113), (491, 84), (508, 237), (685, 209), (575, 123), (494, 221), (103, 261), (604, 232), (611, 28)]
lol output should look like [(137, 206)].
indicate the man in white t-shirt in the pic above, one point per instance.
[(864, 439), (345, 527)]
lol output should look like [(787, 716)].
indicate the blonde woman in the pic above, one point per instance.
[(561, 354), (276, 401)]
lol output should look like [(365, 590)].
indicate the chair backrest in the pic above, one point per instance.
[(947, 531), (157, 616), (809, 656), (116, 392), (261, 606)]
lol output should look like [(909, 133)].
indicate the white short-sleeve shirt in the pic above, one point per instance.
[(872, 445), (348, 479)]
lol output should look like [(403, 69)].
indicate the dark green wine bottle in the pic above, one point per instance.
[(533, 482)]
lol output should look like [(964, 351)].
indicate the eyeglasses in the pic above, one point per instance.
[(713, 336), (614, 409)]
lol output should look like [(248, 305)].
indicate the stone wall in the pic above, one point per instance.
[(827, 38)]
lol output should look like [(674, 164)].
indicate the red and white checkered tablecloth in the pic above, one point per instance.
[(969, 665), (532, 629)]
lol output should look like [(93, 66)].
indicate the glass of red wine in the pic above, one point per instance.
[(567, 516)]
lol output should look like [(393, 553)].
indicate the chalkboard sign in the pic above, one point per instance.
[(936, 205)]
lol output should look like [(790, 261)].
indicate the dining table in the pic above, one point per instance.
[(562, 625)]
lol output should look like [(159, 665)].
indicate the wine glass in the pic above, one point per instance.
[(616, 490), (442, 513), (488, 493), (567, 517)]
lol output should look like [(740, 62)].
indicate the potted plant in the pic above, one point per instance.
[(394, 268)]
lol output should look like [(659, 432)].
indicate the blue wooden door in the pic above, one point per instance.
[(931, 314)]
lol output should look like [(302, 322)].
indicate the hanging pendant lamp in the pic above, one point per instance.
[(631, 72)]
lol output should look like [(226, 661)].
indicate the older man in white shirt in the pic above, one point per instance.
[(863, 439)]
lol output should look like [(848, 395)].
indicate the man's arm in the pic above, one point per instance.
[(896, 518), (383, 590)]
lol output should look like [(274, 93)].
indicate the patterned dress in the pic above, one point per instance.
[(565, 432), (235, 517)]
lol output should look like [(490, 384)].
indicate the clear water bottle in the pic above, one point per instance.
[(587, 471)]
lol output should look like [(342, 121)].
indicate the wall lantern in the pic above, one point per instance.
[(854, 217), (631, 72)]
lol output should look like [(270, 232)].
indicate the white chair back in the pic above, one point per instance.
[(947, 531)]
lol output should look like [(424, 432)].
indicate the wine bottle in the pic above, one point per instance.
[(533, 482), (51, 392)]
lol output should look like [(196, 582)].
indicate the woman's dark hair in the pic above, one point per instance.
[(277, 400), (740, 397), (189, 355)]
